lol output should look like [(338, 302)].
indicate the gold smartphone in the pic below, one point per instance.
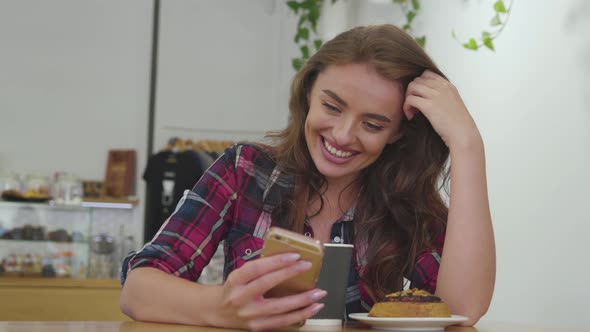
[(280, 241)]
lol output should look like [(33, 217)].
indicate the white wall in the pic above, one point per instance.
[(74, 83), (531, 100), (223, 73)]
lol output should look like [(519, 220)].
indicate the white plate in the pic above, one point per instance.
[(408, 323)]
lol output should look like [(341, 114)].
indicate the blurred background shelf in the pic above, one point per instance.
[(87, 240)]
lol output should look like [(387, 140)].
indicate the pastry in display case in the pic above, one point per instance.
[(62, 241), (35, 188), (39, 240)]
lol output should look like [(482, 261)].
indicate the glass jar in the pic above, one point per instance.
[(102, 256), (36, 184), (68, 189), (10, 181)]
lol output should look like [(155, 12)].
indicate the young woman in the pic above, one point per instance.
[(363, 159)]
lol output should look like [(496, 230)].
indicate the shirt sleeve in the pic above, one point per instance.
[(189, 238), (425, 274)]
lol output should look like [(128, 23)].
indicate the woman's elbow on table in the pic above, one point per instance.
[(473, 314), (126, 305), (132, 301)]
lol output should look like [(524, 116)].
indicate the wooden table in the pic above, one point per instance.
[(153, 327)]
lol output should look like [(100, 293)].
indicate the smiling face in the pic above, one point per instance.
[(354, 112)]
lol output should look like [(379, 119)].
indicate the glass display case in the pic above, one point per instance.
[(64, 241)]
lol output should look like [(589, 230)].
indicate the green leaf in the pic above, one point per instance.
[(317, 43), (485, 35), (294, 5), (453, 34), (399, 1), (303, 33), (297, 63), (304, 51), (488, 43), (471, 45), (302, 19), (499, 7), (314, 13), (495, 21), (307, 4), (314, 27), (416, 5), (421, 41), (406, 27), (410, 16)]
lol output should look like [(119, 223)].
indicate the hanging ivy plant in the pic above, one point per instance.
[(411, 8), (306, 36), (498, 22), (309, 12)]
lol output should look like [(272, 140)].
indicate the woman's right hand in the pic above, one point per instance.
[(244, 306)]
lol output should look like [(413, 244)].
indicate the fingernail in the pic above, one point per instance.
[(317, 307), (303, 265), (318, 294), (290, 257)]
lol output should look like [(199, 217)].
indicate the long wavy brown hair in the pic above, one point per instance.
[(400, 211)]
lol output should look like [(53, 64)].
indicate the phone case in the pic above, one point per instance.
[(334, 279), (279, 241)]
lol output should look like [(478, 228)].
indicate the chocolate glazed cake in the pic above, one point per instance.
[(410, 303)]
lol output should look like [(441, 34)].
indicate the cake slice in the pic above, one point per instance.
[(410, 303)]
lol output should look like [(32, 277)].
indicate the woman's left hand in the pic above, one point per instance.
[(441, 104)]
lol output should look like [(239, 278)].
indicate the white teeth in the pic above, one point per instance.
[(335, 151)]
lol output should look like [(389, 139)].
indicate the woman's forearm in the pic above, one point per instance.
[(468, 268), (153, 295)]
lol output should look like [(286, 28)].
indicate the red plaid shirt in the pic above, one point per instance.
[(232, 203)]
